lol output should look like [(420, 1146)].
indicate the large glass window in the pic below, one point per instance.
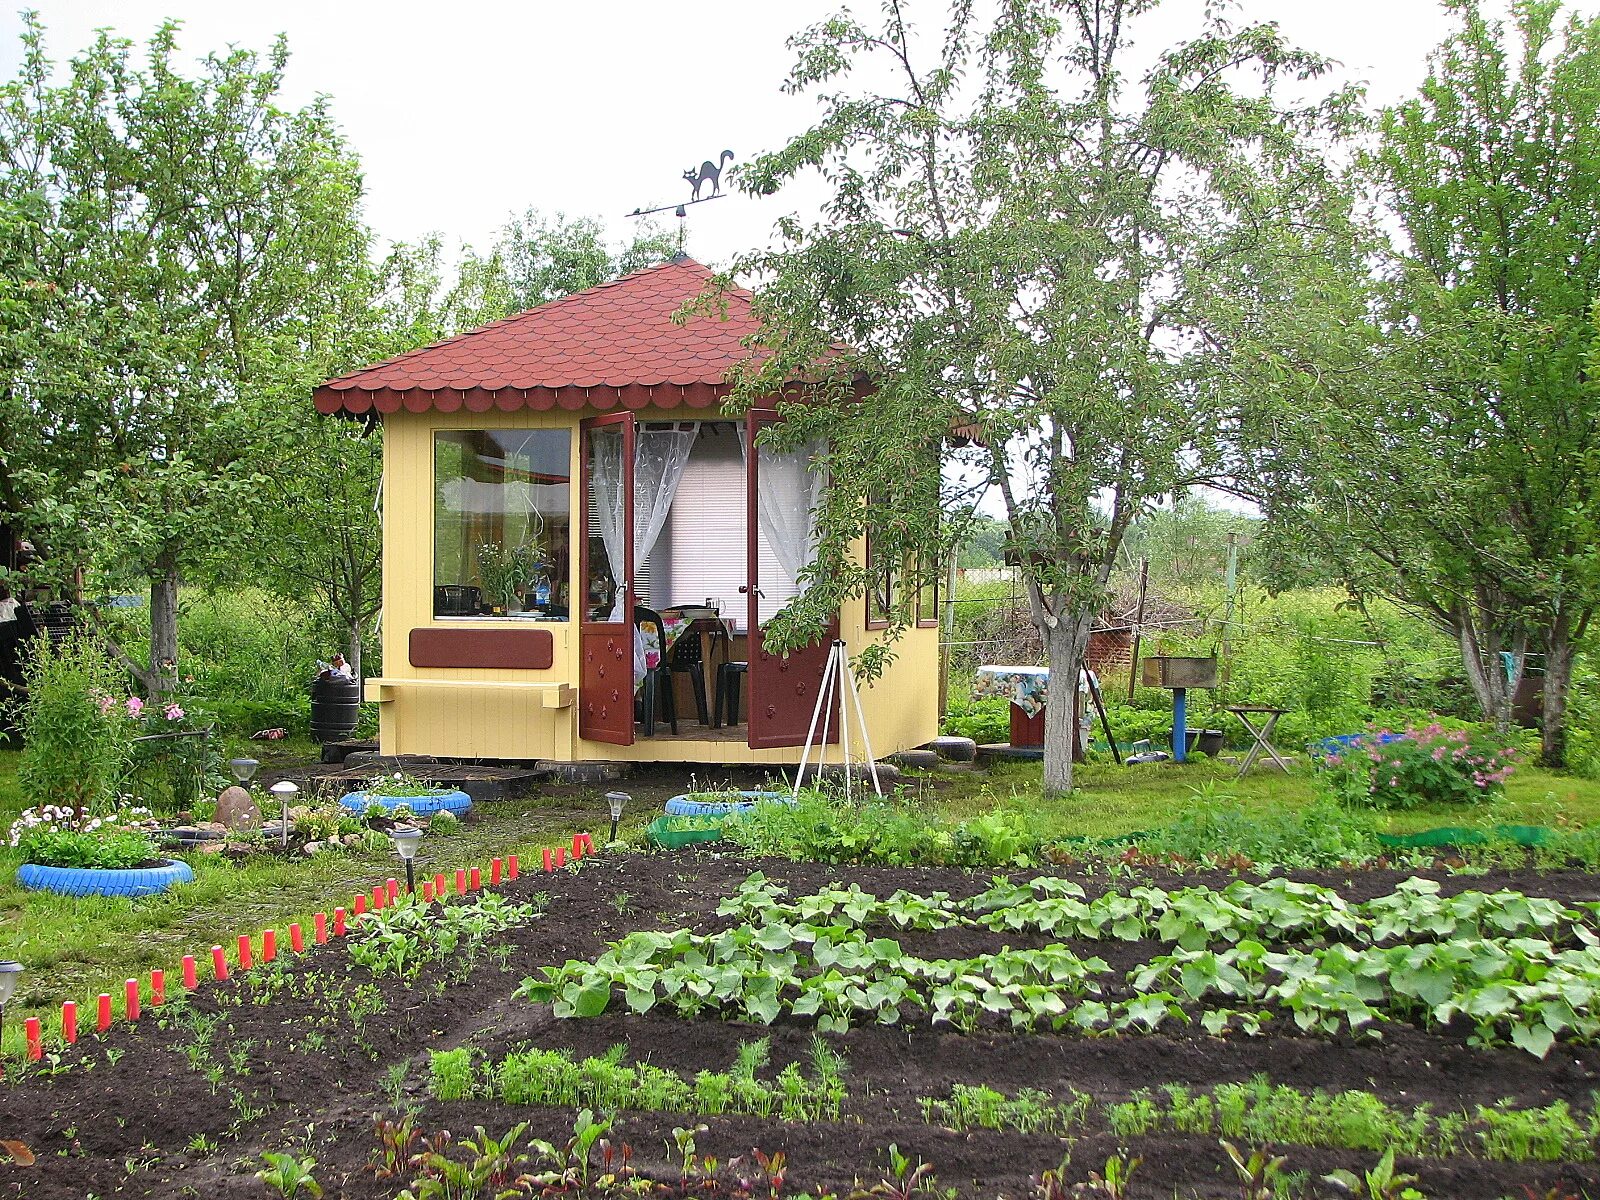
[(501, 523)]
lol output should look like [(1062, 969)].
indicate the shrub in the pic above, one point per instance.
[(114, 849), (1431, 765), (444, 824), (985, 721), (76, 737)]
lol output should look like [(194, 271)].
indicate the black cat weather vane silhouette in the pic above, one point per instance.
[(697, 178), (711, 171)]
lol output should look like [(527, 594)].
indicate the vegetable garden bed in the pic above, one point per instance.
[(298, 1056)]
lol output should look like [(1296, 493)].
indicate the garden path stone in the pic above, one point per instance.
[(236, 810)]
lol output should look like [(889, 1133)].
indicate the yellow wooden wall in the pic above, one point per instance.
[(518, 714)]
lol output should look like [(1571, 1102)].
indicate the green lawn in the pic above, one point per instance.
[(76, 948), (1112, 800)]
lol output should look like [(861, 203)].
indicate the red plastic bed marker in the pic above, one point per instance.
[(394, 890), (511, 867), (494, 873), (102, 1016), (219, 964), (244, 952), (549, 859), (358, 904), (427, 892), (269, 945), (69, 1021), (158, 987), (297, 940), (561, 857), (35, 1040), (130, 999), (461, 882), (577, 846), (338, 922), (438, 887), (380, 897), (474, 880), (191, 978), (319, 929)]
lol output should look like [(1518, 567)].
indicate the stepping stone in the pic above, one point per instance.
[(920, 760), (955, 749)]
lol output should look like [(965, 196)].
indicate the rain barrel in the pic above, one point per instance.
[(335, 707)]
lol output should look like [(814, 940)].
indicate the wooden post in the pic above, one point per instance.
[(1232, 583), (1138, 625), (947, 634)]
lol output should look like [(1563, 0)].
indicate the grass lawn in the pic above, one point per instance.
[(1111, 800), (77, 948)]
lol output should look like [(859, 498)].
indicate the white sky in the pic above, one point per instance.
[(463, 114)]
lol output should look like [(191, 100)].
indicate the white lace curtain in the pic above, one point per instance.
[(659, 456), (788, 494)]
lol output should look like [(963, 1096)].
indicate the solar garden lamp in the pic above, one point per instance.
[(10, 972), (244, 769), (615, 800), (284, 790), (406, 841)]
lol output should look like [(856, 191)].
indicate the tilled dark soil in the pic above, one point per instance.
[(145, 1112)]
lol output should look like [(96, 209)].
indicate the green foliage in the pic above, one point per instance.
[(452, 1073), (986, 721), (404, 938), (399, 784), (1029, 1111), (76, 747), (107, 848), (289, 1176), (1213, 826), (604, 1083), (191, 219), (1419, 767), (1028, 303)]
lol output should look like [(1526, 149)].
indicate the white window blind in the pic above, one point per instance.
[(702, 550)]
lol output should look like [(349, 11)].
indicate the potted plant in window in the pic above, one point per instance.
[(505, 573)]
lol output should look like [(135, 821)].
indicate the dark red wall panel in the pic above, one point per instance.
[(485, 649)]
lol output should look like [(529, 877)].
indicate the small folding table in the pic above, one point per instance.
[(1261, 733)]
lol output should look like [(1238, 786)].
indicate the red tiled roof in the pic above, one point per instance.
[(613, 346)]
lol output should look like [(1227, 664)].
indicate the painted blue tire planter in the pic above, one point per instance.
[(451, 802), (99, 881), (682, 806)]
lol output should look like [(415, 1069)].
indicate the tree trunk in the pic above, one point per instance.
[(1560, 649), (352, 646), (1065, 643), (163, 673), (1481, 647)]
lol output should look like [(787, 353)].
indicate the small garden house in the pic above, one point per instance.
[(581, 547)]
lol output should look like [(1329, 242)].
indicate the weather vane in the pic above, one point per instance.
[(697, 177)]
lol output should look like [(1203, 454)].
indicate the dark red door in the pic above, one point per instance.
[(605, 645), (783, 687)]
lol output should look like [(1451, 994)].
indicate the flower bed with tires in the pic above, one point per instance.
[(110, 855)]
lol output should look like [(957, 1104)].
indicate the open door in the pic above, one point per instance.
[(605, 582), (783, 687)]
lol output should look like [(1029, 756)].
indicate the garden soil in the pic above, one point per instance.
[(141, 1112)]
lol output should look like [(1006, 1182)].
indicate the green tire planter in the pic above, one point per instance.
[(676, 839)]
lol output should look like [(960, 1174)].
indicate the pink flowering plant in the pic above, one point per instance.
[(1417, 767)]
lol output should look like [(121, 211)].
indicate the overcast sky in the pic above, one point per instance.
[(465, 113)]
